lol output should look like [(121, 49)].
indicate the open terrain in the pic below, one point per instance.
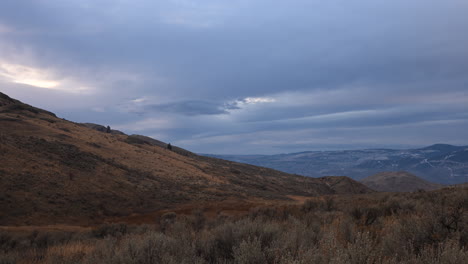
[(439, 163), (80, 193), (387, 228), (398, 181), (54, 171)]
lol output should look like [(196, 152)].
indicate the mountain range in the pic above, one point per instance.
[(439, 163)]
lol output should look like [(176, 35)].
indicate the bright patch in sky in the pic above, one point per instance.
[(256, 100), (27, 75)]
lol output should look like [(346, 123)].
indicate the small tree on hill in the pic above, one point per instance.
[(108, 130), (169, 146)]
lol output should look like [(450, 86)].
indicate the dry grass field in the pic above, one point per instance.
[(419, 227)]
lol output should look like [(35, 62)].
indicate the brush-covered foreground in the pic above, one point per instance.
[(420, 227)]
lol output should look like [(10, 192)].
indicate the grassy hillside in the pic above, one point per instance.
[(400, 181), (56, 171)]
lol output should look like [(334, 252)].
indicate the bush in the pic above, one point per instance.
[(430, 227), (249, 252), (113, 230), (327, 204), (166, 220), (198, 220)]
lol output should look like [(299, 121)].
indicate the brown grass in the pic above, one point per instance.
[(428, 227), (58, 172)]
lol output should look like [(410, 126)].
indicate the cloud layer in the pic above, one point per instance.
[(246, 76)]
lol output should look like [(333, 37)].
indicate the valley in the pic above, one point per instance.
[(440, 163)]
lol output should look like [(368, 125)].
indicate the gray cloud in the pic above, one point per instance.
[(323, 65), (193, 108)]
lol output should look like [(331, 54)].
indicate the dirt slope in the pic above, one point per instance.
[(55, 171), (398, 181)]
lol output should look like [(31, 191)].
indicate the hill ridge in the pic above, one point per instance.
[(57, 171), (398, 181)]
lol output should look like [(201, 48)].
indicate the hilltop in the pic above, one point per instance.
[(398, 181), (57, 171)]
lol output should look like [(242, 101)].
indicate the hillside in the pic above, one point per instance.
[(400, 181), (441, 163), (56, 171)]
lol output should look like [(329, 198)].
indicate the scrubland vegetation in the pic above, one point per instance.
[(420, 227)]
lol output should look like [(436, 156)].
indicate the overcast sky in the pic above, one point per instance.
[(246, 76)]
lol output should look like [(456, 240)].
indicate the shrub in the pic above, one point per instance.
[(249, 252), (198, 220), (366, 215), (371, 215), (167, 220), (329, 203), (114, 230), (9, 257), (415, 228), (310, 205), (263, 213)]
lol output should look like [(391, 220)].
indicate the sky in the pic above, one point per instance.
[(246, 76)]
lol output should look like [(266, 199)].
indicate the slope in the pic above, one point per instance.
[(56, 171), (400, 181)]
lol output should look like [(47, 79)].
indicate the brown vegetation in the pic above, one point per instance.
[(58, 172), (398, 181), (419, 227), (162, 206)]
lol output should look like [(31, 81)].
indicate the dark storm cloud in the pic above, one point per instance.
[(226, 72)]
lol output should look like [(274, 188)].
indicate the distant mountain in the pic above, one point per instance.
[(440, 163), (398, 181), (56, 171)]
